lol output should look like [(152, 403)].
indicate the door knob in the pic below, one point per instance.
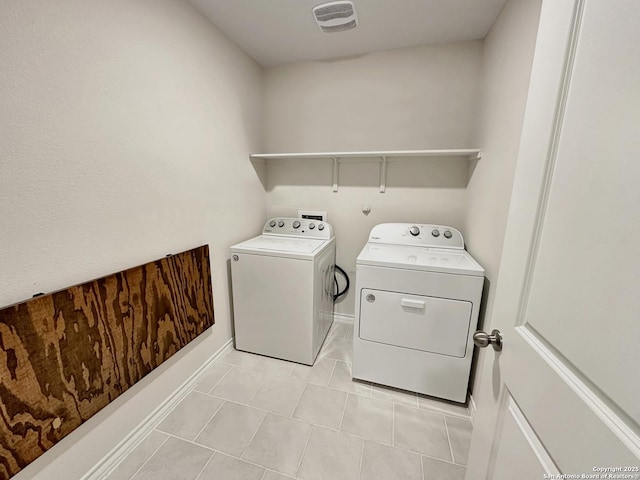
[(482, 339)]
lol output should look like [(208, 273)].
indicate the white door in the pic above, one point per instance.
[(563, 396)]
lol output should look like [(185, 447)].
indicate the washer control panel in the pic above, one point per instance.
[(417, 235), (298, 227)]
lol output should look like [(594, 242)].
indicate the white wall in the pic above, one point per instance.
[(126, 127), (413, 98), (506, 69)]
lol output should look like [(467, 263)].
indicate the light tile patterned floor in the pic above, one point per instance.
[(258, 418)]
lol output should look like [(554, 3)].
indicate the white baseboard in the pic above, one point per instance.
[(343, 318), (472, 407), (111, 460)]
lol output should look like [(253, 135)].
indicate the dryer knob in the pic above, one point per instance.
[(415, 231), (435, 232), (447, 234), (272, 223), (281, 224), (312, 226), (296, 224), (321, 227)]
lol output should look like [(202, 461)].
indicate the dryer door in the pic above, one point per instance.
[(429, 324)]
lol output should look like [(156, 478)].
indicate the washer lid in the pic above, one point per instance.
[(441, 260), (274, 243)]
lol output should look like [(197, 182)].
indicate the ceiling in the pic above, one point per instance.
[(275, 32)]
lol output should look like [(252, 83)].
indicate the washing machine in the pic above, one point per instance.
[(282, 284), (418, 295)]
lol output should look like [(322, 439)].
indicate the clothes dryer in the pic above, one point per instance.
[(418, 295)]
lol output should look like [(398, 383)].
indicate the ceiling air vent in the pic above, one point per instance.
[(335, 16)]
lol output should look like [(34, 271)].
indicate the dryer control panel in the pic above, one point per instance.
[(298, 227), (417, 234)]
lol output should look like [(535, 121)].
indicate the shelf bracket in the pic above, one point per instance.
[(335, 173), (383, 174)]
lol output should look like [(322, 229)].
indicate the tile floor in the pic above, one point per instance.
[(258, 418)]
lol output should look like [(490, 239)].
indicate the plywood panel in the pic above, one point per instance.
[(66, 355)]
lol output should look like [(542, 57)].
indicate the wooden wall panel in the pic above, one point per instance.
[(66, 355)]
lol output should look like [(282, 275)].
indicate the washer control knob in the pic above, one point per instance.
[(296, 224), (312, 226), (415, 231), (435, 232), (447, 234), (321, 227), (272, 223), (281, 224)]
